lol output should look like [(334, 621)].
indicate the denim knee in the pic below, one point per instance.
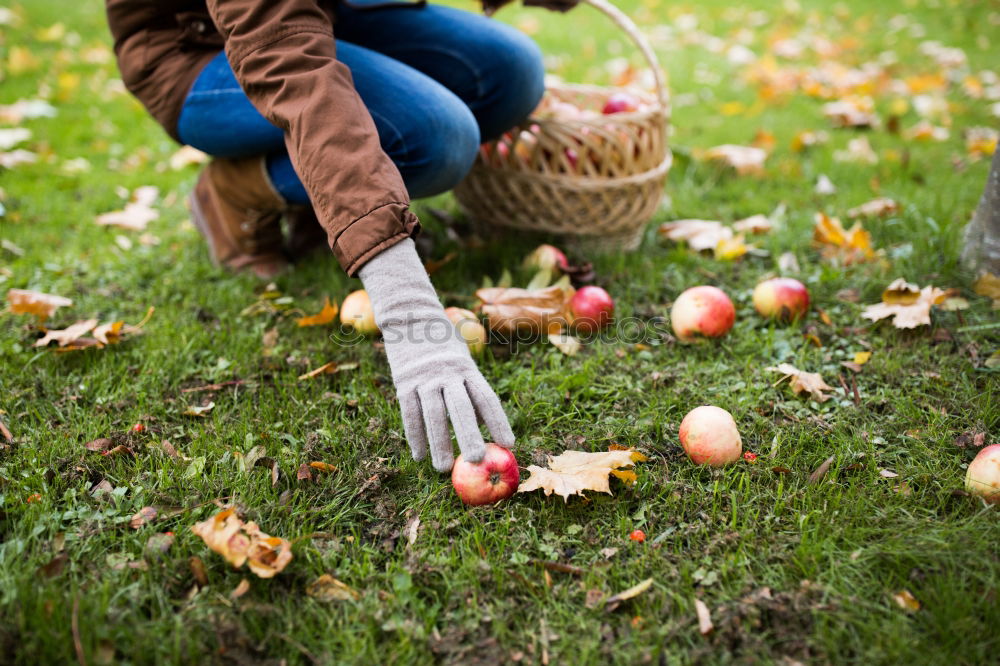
[(439, 150), (514, 84)]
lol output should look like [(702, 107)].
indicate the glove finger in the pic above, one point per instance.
[(413, 424), (436, 426), (463, 420), (489, 409)]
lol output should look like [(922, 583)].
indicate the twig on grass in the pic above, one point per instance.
[(75, 627)]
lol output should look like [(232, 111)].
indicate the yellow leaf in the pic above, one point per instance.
[(327, 588), (572, 472), (325, 316), (630, 593), (110, 333), (804, 382), (862, 357), (849, 246), (322, 466), (987, 285), (733, 248), (906, 601), (23, 301), (241, 544), (330, 368)]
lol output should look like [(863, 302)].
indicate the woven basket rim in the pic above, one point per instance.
[(578, 182)]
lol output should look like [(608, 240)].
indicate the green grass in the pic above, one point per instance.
[(468, 589)]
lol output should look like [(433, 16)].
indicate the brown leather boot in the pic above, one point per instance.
[(305, 233), (237, 210)]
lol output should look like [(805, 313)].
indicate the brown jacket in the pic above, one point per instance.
[(284, 56)]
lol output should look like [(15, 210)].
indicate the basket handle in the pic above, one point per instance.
[(629, 28)]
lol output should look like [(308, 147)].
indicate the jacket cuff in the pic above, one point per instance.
[(370, 234)]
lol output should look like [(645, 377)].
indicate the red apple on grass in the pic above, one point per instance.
[(469, 328), (620, 102), (702, 311), (356, 312), (784, 299), (592, 309), (709, 436), (983, 476), (489, 481)]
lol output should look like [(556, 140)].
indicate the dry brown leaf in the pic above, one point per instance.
[(330, 368), (187, 156), (99, 445), (881, 207), (199, 410), (572, 472), (327, 315), (905, 600), (804, 382), (988, 285), (138, 212), (630, 593), (907, 308), (705, 625), (537, 311), (327, 588), (821, 471), (851, 112), (243, 543), (304, 473), (698, 234), (68, 335), (887, 474), (849, 246), (743, 159), (755, 224), (240, 590), (565, 343), (109, 334), (143, 516), (24, 301)]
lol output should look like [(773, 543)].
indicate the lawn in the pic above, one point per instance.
[(790, 570)]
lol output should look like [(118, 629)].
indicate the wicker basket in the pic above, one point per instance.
[(595, 181)]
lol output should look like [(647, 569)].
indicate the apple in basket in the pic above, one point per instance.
[(621, 102)]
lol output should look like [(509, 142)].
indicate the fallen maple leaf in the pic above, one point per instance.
[(981, 141), (732, 248), (187, 156), (509, 309), (858, 151), (849, 246), (325, 316), (68, 335), (143, 516), (851, 112), (743, 159), (199, 410), (755, 224), (803, 382), (908, 306), (327, 588), (698, 234), (881, 207), (138, 212), (24, 301), (572, 472), (243, 543)]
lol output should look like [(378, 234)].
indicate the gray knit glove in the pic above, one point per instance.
[(434, 373)]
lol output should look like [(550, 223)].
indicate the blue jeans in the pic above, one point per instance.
[(437, 82)]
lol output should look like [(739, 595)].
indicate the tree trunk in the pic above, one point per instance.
[(982, 236)]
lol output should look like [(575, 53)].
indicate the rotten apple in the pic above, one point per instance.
[(784, 299), (356, 312), (488, 481), (983, 475), (710, 437), (468, 326), (703, 311), (592, 309)]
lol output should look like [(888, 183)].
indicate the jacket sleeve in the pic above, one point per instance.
[(284, 56)]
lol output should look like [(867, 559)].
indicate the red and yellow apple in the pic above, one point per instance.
[(983, 475), (468, 326), (546, 257), (620, 102), (703, 311), (356, 312), (592, 308), (710, 437), (488, 481), (784, 299)]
